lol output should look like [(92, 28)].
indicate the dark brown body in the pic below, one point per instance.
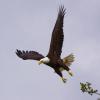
[(57, 65)]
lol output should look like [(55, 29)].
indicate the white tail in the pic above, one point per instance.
[(68, 60)]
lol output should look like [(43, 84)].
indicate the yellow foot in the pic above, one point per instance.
[(70, 73), (63, 79)]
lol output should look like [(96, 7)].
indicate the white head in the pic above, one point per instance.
[(44, 60)]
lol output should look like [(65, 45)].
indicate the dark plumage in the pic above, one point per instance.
[(53, 58)]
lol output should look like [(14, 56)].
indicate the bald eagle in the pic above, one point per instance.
[(53, 58)]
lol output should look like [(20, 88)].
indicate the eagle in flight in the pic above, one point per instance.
[(53, 58)]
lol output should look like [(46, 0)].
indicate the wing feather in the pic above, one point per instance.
[(32, 55), (57, 35)]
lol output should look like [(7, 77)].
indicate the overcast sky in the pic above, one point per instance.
[(27, 25)]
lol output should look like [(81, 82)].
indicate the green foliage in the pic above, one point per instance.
[(86, 87)]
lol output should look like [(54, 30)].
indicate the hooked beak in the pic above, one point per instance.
[(40, 62)]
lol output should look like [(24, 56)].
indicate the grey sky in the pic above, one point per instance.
[(27, 25)]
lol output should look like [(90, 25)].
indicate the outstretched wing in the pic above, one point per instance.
[(32, 55), (57, 35)]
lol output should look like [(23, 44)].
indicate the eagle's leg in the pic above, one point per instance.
[(60, 74), (68, 69)]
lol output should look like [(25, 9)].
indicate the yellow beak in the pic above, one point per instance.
[(40, 62)]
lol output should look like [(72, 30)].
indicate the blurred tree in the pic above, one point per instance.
[(86, 87)]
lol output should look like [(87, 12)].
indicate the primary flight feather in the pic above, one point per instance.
[(53, 58)]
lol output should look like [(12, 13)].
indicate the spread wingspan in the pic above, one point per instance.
[(57, 35), (32, 55)]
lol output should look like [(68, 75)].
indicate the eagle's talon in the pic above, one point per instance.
[(64, 79), (70, 73)]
